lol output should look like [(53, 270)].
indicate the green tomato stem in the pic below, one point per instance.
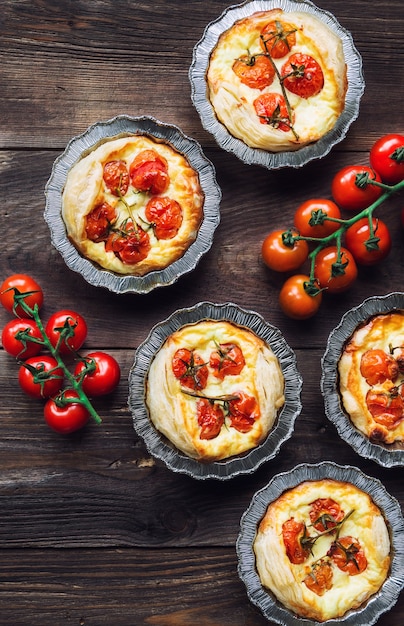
[(337, 235), (74, 383)]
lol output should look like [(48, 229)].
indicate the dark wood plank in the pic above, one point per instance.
[(77, 66)]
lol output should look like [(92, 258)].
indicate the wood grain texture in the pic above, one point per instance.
[(93, 530)]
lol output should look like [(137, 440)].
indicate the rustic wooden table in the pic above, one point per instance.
[(93, 531)]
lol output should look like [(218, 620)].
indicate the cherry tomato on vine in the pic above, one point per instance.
[(277, 39), (311, 216), (71, 326), (368, 248), (256, 72), (15, 338), (40, 376), (68, 418), (302, 75), (387, 158), (335, 272), (105, 376), (351, 187), (23, 284), (281, 253), (296, 301)]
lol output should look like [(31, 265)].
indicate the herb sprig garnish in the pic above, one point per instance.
[(307, 541)]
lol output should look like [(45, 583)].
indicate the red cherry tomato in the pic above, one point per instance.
[(348, 555), (210, 418), (271, 109), (243, 411), (351, 187), (149, 172), (368, 248), (256, 72), (281, 254), (190, 369), (131, 244), (226, 360), (325, 513), (377, 366), (311, 216), (295, 301), (67, 329), (20, 284), (335, 272), (102, 377), (16, 338), (302, 75), (40, 376), (116, 177), (277, 39), (99, 222), (66, 419), (387, 158), (292, 533), (165, 216)]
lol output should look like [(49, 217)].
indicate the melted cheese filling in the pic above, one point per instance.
[(233, 101), (173, 412), (285, 580), (382, 332), (85, 189)]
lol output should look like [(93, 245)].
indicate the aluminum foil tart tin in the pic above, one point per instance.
[(385, 455), (253, 156), (81, 145), (160, 447), (379, 603)]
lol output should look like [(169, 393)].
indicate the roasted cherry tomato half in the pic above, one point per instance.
[(210, 418), (313, 218), (295, 300), (277, 38), (256, 72), (103, 373), (335, 271), (387, 158), (67, 330), (20, 284), (116, 177), (347, 554), (165, 216), (283, 254), (352, 188), (68, 418), (302, 75), (40, 376), (368, 247), (292, 533), (272, 109), (18, 338)]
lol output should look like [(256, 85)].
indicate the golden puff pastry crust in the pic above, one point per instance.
[(214, 390), (86, 194), (371, 378), (308, 117), (326, 580)]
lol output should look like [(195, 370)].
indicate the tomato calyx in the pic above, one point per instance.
[(20, 300)]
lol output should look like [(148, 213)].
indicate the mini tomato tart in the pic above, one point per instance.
[(214, 389), (278, 80), (371, 378), (323, 548), (132, 205)]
